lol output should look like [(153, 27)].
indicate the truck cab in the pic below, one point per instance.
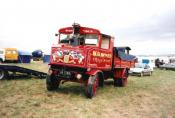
[(2, 55), (82, 47), (11, 54)]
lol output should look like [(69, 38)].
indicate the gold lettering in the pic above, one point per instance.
[(98, 54), (94, 53), (102, 55)]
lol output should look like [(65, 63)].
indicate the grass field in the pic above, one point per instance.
[(144, 97)]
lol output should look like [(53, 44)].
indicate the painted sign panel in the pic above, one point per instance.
[(100, 58), (68, 56)]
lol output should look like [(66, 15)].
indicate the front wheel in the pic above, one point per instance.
[(52, 82), (93, 83)]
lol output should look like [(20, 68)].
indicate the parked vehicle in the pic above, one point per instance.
[(11, 54), (141, 69), (87, 56), (168, 66), (37, 55), (2, 55)]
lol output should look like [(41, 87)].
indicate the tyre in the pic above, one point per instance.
[(120, 82), (3, 74), (52, 82), (93, 83)]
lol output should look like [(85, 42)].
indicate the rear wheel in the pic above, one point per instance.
[(52, 82), (120, 82), (123, 80), (92, 86)]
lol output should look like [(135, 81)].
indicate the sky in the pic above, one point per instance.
[(147, 26)]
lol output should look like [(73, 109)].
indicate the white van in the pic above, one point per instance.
[(2, 55)]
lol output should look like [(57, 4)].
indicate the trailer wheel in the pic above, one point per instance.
[(52, 82), (3, 74), (93, 83), (120, 82)]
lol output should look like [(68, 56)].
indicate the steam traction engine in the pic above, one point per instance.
[(87, 56)]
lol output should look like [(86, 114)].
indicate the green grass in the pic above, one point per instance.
[(143, 97)]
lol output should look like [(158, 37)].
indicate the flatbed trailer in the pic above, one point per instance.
[(6, 69)]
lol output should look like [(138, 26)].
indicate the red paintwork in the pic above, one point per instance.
[(71, 59), (120, 73), (93, 71), (94, 58), (123, 64), (95, 86), (83, 30)]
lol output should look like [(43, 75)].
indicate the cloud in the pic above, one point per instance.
[(155, 35), (31, 24)]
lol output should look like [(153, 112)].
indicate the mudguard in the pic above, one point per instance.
[(93, 72)]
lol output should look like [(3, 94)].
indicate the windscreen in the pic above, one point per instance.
[(139, 65), (1, 52), (79, 39)]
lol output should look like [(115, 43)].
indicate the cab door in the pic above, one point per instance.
[(2, 55), (106, 49), (101, 56)]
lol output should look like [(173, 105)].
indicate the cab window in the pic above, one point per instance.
[(91, 39), (14, 52), (64, 38), (105, 42), (8, 52), (79, 39)]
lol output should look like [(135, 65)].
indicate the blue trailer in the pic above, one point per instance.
[(46, 58), (5, 71), (24, 57)]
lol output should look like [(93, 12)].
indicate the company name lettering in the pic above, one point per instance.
[(100, 54)]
